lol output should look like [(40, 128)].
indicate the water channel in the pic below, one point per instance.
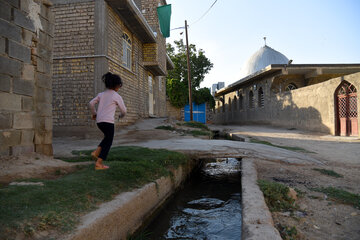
[(208, 207)]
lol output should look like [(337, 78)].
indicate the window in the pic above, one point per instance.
[(126, 51), (290, 87), (235, 103), (261, 100), (229, 102), (241, 100), (160, 83), (251, 99)]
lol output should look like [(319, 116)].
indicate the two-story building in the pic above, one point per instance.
[(93, 37)]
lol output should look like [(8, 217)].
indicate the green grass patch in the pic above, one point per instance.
[(298, 149), (166, 127), (196, 133), (287, 233), (328, 172), (340, 195), (196, 125), (276, 196), (59, 203)]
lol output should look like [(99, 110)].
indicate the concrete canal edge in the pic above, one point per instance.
[(127, 211), (257, 223)]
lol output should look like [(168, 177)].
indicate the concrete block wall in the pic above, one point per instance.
[(309, 108), (25, 77)]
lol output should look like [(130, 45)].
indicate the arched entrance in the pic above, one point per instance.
[(346, 101)]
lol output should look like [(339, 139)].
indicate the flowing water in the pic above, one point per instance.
[(208, 207)]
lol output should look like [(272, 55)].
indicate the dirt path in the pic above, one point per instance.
[(320, 216)]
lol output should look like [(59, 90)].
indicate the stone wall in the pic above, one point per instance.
[(309, 108), (26, 30)]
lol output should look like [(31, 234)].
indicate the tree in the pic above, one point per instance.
[(177, 83)]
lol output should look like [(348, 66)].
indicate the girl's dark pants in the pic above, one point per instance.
[(108, 130)]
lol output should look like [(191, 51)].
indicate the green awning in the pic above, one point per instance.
[(164, 14)]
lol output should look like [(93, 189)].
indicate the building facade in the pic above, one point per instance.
[(316, 97), (26, 30), (93, 37)]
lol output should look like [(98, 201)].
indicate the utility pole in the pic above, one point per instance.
[(189, 72)]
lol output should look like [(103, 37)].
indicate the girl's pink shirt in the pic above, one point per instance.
[(107, 102)]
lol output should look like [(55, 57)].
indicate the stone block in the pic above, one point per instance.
[(10, 66), (27, 37), (23, 87), (43, 80), (43, 95), (43, 66), (28, 72), (45, 149), (5, 120), (45, 40), (23, 21), (4, 150), (10, 31), (2, 45), (44, 109), (44, 52), (10, 102), (27, 137), (10, 138), (44, 124), (24, 5), (19, 51), (47, 26), (14, 3), (27, 104), (43, 137), (17, 150), (5, 83), (5, 11), (23, 120)]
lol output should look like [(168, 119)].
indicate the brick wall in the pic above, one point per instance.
[(77, 72), (25, 77), (73, 65)]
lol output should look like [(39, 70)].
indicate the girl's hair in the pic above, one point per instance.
[(111, 80)]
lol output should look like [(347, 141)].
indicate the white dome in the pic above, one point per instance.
[(261, 59)]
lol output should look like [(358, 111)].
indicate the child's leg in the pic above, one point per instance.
[(105, 145), (95, 154)]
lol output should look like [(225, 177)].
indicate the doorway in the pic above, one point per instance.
[(347, 114)]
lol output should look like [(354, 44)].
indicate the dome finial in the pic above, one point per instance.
[(265, 40)]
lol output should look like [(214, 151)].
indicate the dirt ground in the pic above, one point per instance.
[(318, 217)]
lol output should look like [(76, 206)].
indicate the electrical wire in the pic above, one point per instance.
[(207, 11)]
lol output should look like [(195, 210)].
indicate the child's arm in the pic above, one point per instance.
[(122, 107), (92, 106)]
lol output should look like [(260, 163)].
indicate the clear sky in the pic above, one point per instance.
[(307, 31)]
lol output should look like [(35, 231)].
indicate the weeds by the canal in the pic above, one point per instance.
[(286, 232), (276, 196), (298, 149), (166, 127), (203, 130), (195, 125), (58, 203), (340, 195), (328, 172), (196, 133)]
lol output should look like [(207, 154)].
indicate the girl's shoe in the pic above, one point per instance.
[(102, 167)]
